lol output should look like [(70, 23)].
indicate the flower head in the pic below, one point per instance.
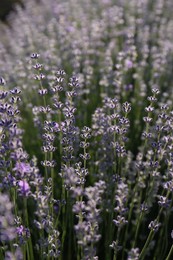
[(24, 188)]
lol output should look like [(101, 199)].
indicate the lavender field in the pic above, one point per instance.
[(86, 130)]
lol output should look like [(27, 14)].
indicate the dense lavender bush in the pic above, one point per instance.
[(86, 131)]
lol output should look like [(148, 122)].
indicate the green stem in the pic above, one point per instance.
[(1, 253), (60, 133), (117, 242), (144, 250), (29, 247), (170, 253), (137, 229), (65, 219), (52, 184)]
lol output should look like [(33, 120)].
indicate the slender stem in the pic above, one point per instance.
[(170, 253), (52, 184), (144, 250), (29, 247), (60, 133), (1, 253), (117, 241), (137, 229)]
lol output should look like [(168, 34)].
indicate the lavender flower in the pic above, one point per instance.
[(86, 123), (154, 225), (133, 254), (16, 255), (7, 228), (24, 188), (23, 234)]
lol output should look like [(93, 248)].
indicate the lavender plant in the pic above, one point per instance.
[(86, 123)]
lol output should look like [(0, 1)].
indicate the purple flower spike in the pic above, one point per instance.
[(22, 168), (20, 230), (24, 188), (23, 234), (128, 64)]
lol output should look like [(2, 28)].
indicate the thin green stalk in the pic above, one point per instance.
[(165, 244), (60, 134), (65, 219), (110, 228), (70, 242), (137, 229), (24, 251), (150, 236), (170, 253), (117, 241), (144, 250), (14, 197), (52, 184), (29, 247), (161, 244), (1, 253), (129, 219), (127, 227)]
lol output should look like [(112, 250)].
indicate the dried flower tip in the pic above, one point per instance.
[(85, 156), (164, 107), (133, 254), (38, 66), (154, 225), (3, 95), (155, 91), (147, 119), (42, 92), (50, 164), (57, 88), (115, 246), (39, 77), (149, 109), (152, 99), (163, 201), (15, 91), (163, 116), (60, 72), (120, 222), (35, 56), (44, 110), (74, 82), (86, 132), (168, 186), (23, 234), (59, 79), (147, 135), (126, 107), (144, 207), (84, 144), (2, 81), (48, 148)]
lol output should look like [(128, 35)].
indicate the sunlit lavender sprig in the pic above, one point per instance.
[(88, 216), (120, 56), (49, 241), (8, 232), (7, 225), (120, 218), (69, 129)]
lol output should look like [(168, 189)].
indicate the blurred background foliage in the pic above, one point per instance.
[(6, 6)]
